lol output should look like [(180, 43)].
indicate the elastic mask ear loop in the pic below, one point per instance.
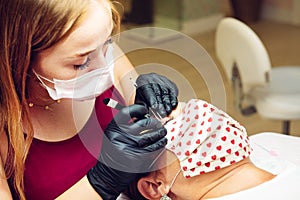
[(39, 77), (165, 196)]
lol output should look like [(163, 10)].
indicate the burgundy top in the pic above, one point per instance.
[(53, 167)]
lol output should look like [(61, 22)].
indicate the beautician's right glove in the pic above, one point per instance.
[(156, 92), (130, 145)]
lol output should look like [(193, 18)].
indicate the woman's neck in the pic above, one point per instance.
[(235, 178), (63, 121)]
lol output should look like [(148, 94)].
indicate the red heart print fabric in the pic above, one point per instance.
[(205, 138)]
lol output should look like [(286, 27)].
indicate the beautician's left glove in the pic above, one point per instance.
[(130, 146), (157, 92)]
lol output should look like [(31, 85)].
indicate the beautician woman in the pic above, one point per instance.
[(56, 65)]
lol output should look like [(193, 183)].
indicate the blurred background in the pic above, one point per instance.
[(276, 22)]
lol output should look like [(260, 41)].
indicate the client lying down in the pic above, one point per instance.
[(207, 157)]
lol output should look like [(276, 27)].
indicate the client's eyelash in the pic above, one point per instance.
[(84, 65)]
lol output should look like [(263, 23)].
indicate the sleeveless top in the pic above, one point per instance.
[(53, 167)]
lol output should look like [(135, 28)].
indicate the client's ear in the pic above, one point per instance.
[(151, 188)]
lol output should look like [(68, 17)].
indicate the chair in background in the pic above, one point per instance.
[(272, 92)]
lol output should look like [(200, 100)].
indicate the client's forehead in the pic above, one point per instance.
[(165, 159), (167, 164)]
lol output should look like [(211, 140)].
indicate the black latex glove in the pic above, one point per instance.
[(157, 92), (130, 145)]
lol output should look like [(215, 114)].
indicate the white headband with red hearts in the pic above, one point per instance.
[(205, 138)]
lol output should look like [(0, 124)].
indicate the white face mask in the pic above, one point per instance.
[(86, 86)]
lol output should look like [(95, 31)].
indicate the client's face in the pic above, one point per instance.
[(169, 180), (201, 139), (172, 181), (168, 174)]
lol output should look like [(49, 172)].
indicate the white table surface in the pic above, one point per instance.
[(272, 151)]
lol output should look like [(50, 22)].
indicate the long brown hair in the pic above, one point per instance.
[(28, 27)]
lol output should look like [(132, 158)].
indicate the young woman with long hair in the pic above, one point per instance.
[(52, 55)]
